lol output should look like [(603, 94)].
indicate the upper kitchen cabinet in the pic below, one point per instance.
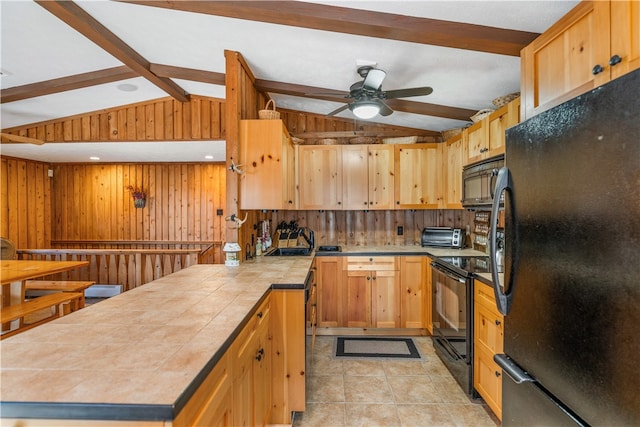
[(453, 158), (320, 177), (486, 138), (367, 177), (592, 44), (417, 176), (267, 156)]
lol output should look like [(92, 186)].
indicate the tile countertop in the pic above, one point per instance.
[(141, 354)]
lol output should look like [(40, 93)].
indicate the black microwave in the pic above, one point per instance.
[(479, 181)]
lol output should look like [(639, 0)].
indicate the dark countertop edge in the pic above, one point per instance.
[(376, 253), (484, 280), (126, 411), (87, 411)]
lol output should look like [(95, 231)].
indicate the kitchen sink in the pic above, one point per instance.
[(329, 248), (294, 251)]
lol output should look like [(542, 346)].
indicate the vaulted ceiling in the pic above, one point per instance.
[(62, 58)]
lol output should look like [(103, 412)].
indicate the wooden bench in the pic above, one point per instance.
[(55, 302), (59, 286)]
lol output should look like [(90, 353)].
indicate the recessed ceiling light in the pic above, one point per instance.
[(127, 87), (94, 158), (208, 157)]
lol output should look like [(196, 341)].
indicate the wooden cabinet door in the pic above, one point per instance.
[(356, 293), (262, 373), (488, 380), (266, 156), (499, 121), (558, 65), (329, 297), (428, 298), (381, 177), (413, 271), (476, 138), (624, 24), (385, 299), (453, 166), (355, 177), (243, 402), (417, 176), (320, 177), (488, 340)]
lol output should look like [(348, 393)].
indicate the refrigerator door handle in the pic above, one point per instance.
[(503, 299), (515, 372)]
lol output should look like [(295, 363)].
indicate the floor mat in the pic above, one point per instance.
[(376, 347)]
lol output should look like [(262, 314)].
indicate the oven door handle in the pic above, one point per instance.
[(448, 273)]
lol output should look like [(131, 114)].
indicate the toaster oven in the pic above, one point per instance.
[(443, 237)]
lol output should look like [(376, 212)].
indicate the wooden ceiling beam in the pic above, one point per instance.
[(62, 84), (191, 74), (361, 22), (76, 17)]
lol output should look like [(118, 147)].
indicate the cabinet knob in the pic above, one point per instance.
[(498, 374), (398, 202), (497, 322), (259, 315), (484, 150), (368, 277), (597, 69), (615, 59), (365, 203), (339, 203)]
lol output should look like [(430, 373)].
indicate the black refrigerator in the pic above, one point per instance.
[(571, 286)]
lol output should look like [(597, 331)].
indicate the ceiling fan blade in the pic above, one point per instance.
[(17, 139), (384, 108), (336, 94), (406, 93), (374, 79), (336, 111)]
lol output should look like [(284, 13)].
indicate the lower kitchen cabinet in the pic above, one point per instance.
[(329, 298), (371, 292), (413, 281), (251, 354), (488, 341)]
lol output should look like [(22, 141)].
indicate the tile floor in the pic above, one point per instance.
[(385, 392)]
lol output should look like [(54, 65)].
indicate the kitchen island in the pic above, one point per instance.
[(141, 355)]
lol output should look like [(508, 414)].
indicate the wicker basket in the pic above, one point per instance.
[(481, 115), (296, 140), (327, 141), (363, 140), (268, 114), (504, 100)]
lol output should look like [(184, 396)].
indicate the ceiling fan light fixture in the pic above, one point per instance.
[(366, 110)]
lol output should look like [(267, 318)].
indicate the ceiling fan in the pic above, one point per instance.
[(369, 97), (6, 138)]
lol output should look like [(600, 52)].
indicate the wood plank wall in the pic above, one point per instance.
[(368, 228), (25, 202), (202, 118), (91, 202)]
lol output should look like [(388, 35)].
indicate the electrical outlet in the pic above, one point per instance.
[(400, 230)]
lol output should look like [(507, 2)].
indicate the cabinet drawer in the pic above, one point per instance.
[(371, 263), (489, 330), (483, 295)]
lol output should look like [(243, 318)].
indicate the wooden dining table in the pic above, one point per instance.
[(13, 274)]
